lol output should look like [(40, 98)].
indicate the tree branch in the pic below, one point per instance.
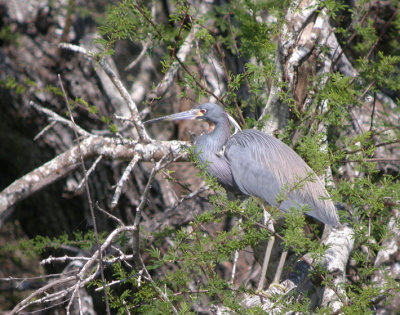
[(68, 161), (118, 84)]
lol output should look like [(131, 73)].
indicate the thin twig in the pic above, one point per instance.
[(88, 267), (376, 146), (90, 171), (57, 118), (88, 195), (382, 33), (146, 45), (235, 257), (33, 296), (63, 259), (44, 130), (141, 55), (123, 179), (118, 220), (118, 84), (71, 300)]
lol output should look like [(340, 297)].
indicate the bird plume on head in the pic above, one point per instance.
[(256, 164)]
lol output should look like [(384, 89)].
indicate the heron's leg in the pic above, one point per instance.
[(267, 256), (278, 273), (271, 241), (232, 196), (235, 258)]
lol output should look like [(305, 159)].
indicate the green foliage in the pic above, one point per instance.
[(310, 149), (383, 71), (8, 36), (40, 244), (127, 20)]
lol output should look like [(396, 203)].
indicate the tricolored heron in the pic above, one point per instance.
[(256, 164)]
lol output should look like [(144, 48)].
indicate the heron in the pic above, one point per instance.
[(254, 163)]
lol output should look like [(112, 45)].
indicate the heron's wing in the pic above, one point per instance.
[(263, 166)]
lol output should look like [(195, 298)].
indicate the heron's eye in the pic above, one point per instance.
[(203, 111)]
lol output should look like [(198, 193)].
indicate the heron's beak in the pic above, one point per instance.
[(190, 114)]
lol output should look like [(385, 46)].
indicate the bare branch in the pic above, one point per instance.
[(68, 161), (118, 84), (57, 118), (25, 302), (124, 177), (84, 276), (138, 58), (44, 130), (110, 215), (89, 171)]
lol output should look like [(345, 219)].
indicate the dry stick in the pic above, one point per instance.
[(128, 99), (31, 299), (80, 302), (123, 179), (71, 300), (141, 55), (235, 257), (26, 302), (118, 220), (118, 84), (88, 197), (123, 257), (42, 277), (52, 116), (68, 161), (90, 171), (44, 130), (235, 260), (63, 259), (115, 282)]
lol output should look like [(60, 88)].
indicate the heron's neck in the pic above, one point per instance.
[(209, 148), (213, 141)]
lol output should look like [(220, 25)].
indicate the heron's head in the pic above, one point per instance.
[(207, 111), (211, 112)]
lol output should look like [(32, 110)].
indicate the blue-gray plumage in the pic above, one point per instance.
[(257, 164)]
